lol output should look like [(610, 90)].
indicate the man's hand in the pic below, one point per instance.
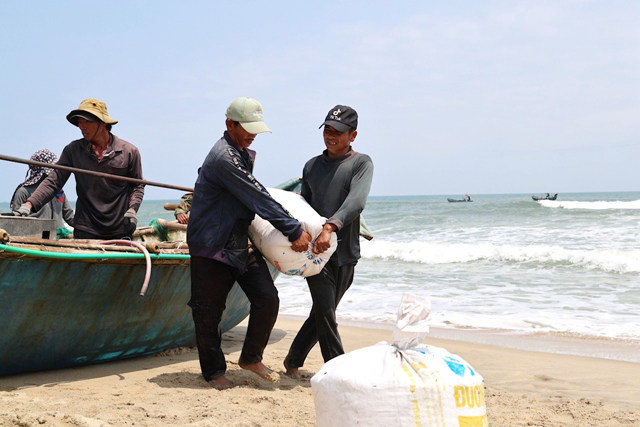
[(182, 218), (130, 221), (323, 241), (302, 244), (24, 209)]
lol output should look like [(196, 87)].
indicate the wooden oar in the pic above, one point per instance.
[(94, 173)]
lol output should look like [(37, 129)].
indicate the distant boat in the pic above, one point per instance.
[(547, 197), (458, 200)]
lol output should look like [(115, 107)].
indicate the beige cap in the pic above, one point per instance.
[(248, 112), (94, 107)]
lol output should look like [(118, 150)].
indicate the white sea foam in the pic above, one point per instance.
[(598, 205), (612, 260)]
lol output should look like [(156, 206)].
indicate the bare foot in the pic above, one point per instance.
[(260, 370), (220, 383), (291, 372)]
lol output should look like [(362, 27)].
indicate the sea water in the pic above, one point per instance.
[(500, 263)]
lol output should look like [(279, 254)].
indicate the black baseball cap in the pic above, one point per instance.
[(341, 118)]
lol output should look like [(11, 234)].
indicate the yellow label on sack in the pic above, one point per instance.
[(480, 421), (469, 396)]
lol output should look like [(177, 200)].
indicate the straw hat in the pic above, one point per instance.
[(92, 110)]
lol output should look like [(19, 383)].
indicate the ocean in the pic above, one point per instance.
[(502, 264)]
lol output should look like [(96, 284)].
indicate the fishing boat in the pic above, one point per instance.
[(547, 197), (458, 200), (73, 302)]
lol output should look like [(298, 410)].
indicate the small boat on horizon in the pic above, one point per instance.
[(466, 198), (545, 197)]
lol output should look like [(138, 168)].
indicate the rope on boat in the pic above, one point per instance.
[(147, 258)]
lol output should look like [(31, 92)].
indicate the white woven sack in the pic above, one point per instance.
[(383, 385), (276, 247)]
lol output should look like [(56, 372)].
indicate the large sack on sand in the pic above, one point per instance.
[(400, 384), (383, 385), (276, 247)]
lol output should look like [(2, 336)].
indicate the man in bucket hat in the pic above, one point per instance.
[(336, 184), (106, 208), (226, 198)]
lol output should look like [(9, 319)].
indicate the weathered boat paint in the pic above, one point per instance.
[(58, 313)]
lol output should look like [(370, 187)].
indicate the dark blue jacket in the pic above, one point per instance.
[(225, 201)]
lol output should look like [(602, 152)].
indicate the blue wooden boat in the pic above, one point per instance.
[(63, 309), (65, 305)]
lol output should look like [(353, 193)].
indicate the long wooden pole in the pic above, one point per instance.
[(94, 173)]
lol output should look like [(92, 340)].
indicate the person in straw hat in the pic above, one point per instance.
[(226, 198), (106, 208)]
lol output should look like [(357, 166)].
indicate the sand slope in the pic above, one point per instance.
[(522, 389)]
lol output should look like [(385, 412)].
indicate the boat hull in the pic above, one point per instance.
[(537, 198), (63, 313)]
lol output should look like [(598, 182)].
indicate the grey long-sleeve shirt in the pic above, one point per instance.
[(102, 202), (58, 208), (338, 189)]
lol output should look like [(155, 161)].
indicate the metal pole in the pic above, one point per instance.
[(94, 173)]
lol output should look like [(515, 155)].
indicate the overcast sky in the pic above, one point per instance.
[(454, 97)]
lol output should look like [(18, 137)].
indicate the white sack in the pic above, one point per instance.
[(400, 384), (276, 247), (383, 385), (412, 321)]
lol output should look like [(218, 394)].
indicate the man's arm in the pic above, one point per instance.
[(47, 189), (181, 212), (245, 187), (356, 200), (323, 241), (67, 212), (52, 184), (135, 171)]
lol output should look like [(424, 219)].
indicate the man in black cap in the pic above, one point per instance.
[(336, 184)]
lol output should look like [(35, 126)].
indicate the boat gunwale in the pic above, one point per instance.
[(86, 255)]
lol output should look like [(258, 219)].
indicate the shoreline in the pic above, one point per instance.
[(522, 388), (584, 346)]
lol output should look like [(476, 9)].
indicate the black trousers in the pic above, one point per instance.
[(81, 234), (211, 282), (327, 289)]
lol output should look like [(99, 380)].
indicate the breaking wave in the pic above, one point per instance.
[(601, 205), (617, 261)]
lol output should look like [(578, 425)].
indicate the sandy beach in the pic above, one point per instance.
[(523, 388)]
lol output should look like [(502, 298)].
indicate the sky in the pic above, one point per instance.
[(453, 97)]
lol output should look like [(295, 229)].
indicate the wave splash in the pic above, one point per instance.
[(599, 206), (617, 261)]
